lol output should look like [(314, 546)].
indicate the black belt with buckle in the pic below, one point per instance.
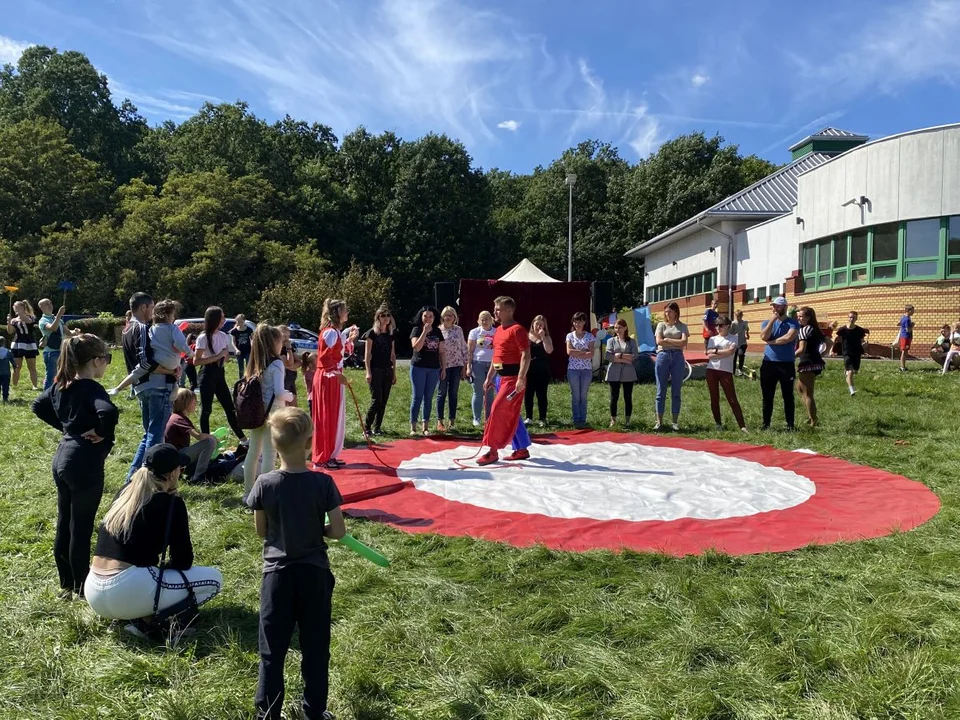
[(507, 369)]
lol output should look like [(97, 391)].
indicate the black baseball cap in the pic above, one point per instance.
[(164, 458)]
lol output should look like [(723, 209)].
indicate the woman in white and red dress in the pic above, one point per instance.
[(329, 401)]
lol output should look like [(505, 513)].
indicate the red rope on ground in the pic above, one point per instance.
[(363, 427)]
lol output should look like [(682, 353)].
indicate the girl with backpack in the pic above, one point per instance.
[(263, 374)]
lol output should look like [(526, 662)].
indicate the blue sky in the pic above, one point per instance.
[(518, 81)]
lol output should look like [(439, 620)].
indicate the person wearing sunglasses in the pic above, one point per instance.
[(722, 350), (380, 362), (80, 408)]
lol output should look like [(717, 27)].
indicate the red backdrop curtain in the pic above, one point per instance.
[(557, 302)]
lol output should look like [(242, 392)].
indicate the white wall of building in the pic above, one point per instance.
[(915, 175), (768, 253), (692, 255)]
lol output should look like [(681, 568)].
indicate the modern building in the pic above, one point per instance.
[(848, 224)]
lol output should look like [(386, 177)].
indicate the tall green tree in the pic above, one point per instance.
[(67, 89), (44, 180)]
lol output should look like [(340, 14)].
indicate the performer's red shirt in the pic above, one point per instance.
[(509, 344), (330, 357)]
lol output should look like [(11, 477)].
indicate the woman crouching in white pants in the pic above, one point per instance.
[(122, 583)]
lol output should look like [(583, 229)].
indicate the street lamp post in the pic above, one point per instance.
[(570, 182)]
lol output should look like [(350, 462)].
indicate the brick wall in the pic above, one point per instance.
[(880, 308), (693, 307)]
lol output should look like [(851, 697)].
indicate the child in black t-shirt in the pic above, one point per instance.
[(289, 507)]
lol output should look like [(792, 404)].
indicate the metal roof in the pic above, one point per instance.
[(829, 133), (774, 195)]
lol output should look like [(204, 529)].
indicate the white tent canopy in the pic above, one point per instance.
[(526, 271)]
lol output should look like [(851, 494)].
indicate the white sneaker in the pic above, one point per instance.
[(527, 421), (675, 426), (656, 427), (853, 391), (476, 423)]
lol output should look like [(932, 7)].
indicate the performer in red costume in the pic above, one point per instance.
[(511, 360), (329, 400)]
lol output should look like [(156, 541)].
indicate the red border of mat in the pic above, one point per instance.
[(852, 502)]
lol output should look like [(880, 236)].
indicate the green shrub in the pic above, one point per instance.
[(104, 326)]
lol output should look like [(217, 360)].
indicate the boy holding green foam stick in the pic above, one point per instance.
[(289, 506)]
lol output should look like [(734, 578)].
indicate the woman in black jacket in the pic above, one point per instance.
[(78, 406), (146, 514)]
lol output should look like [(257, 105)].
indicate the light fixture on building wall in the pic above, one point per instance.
[(799, 221), (674, 263), (858, 201), (712, 249)]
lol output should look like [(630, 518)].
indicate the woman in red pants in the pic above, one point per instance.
[(721, 356)]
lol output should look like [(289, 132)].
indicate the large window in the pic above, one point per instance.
[(926, 249), (705, 282)]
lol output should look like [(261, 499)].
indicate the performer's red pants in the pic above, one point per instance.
[(504, 415)]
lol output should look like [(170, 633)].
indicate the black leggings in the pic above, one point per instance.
[(380, 384), (78, 475), (741, 356), (213, 381), (773, 374), (627, 398), (537, 383)]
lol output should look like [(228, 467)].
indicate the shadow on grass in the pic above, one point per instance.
[(383, 516)]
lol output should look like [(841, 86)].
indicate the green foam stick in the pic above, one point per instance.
[(351, 543)]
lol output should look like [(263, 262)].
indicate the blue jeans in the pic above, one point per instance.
[(155, 410), (50, 358), (579, 387), (669, 366), (424, 381), (521, 438), (478, 403), (449, 391), (242, 361)]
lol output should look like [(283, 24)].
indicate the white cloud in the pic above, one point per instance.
[(511, 125), (699, 80), (11, 50), (909, 42)]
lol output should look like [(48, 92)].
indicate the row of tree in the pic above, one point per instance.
[(269, 218)]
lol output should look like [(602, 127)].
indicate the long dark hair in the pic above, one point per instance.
[(211, 321), (811, 316), (418, 320)]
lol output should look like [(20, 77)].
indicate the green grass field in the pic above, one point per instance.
[(462, 629)]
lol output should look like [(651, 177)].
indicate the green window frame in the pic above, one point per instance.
[(952, 242), (698, 284), (922, 249)]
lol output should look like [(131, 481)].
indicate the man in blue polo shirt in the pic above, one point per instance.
[(780, 335)]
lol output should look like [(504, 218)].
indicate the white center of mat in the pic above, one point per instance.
[(611, 481)]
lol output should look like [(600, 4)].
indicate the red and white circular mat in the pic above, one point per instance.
[(583, 490)]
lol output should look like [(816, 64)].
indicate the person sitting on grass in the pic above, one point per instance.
[(146, 518), (289, 506), (943, 340), (180, 429), (953, 350)]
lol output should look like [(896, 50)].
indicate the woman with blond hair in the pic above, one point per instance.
[(380, 363), (538, 376), (266, 365), (79, 407), (329, 399), (454, 359), (24, 345), (479, 357), (127, 580)]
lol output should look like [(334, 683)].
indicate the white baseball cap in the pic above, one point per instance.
[(781, 300)]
